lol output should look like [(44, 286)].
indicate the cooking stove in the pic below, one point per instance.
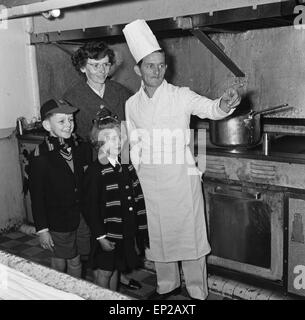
[(256, 210)]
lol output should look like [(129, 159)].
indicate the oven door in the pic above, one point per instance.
[(245, 228)]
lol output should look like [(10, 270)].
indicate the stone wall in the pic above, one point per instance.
[(272, 59)]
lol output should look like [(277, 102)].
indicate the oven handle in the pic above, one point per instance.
[(237, 194)]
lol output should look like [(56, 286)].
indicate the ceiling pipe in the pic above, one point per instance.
[(219, 53), (44, 6)]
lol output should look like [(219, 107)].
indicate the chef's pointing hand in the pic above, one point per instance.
[(229, 100)]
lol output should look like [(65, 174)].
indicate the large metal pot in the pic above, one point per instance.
[(241, 131)]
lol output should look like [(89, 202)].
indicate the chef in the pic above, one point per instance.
[(173, 194)]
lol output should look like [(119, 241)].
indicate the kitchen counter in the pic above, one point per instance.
[(288, 149), (36, 135), (65, 286), (258, 155), (280, 169)]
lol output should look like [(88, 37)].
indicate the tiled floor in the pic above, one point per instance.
[(27, 246)]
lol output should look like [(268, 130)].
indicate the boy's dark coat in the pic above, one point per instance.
[(55, 190)]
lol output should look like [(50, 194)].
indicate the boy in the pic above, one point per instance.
[(55, 178), (114, 207)]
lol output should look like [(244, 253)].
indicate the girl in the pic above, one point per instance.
[(114, 207)]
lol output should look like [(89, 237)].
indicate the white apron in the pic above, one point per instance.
[(173, 196)]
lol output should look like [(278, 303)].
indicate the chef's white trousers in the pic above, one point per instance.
[(195, 275)]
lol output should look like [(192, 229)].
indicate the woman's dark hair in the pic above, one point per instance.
[(91, 50), (99, 125)]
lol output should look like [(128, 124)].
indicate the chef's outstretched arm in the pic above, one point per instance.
[(203, 107)]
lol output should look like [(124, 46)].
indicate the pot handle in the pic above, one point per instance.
[(270, 109)]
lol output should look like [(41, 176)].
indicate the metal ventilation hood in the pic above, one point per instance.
[(165, 17), (85, 20), (269, 14)]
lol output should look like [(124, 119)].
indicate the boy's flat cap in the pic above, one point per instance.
[(56, 106)]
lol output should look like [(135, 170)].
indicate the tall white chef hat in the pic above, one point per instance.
[(140, 39)]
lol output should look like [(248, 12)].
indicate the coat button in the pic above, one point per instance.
[(129, 197), (127, 187), (130, 208)]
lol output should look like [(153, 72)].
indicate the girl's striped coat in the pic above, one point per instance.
[(114, 203)]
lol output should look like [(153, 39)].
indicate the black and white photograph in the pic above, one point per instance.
[(152, 153)]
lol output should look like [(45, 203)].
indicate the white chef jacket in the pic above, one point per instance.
[(173, 197)]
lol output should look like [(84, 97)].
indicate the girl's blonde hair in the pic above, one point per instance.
[(102, 124)]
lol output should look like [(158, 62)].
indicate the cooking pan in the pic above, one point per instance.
[(241, 131)]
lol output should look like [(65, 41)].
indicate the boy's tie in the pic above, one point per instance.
[(118, 166)]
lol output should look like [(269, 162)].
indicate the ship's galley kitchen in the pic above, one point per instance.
[(249, 158)]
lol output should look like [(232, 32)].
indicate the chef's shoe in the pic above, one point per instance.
[(164, 296)]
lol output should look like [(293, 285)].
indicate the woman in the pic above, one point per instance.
[(96, 95)]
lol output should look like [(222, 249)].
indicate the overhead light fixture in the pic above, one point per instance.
[(51, 14)]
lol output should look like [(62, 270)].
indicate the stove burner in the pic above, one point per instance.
[(240, 149), (237, 150)]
